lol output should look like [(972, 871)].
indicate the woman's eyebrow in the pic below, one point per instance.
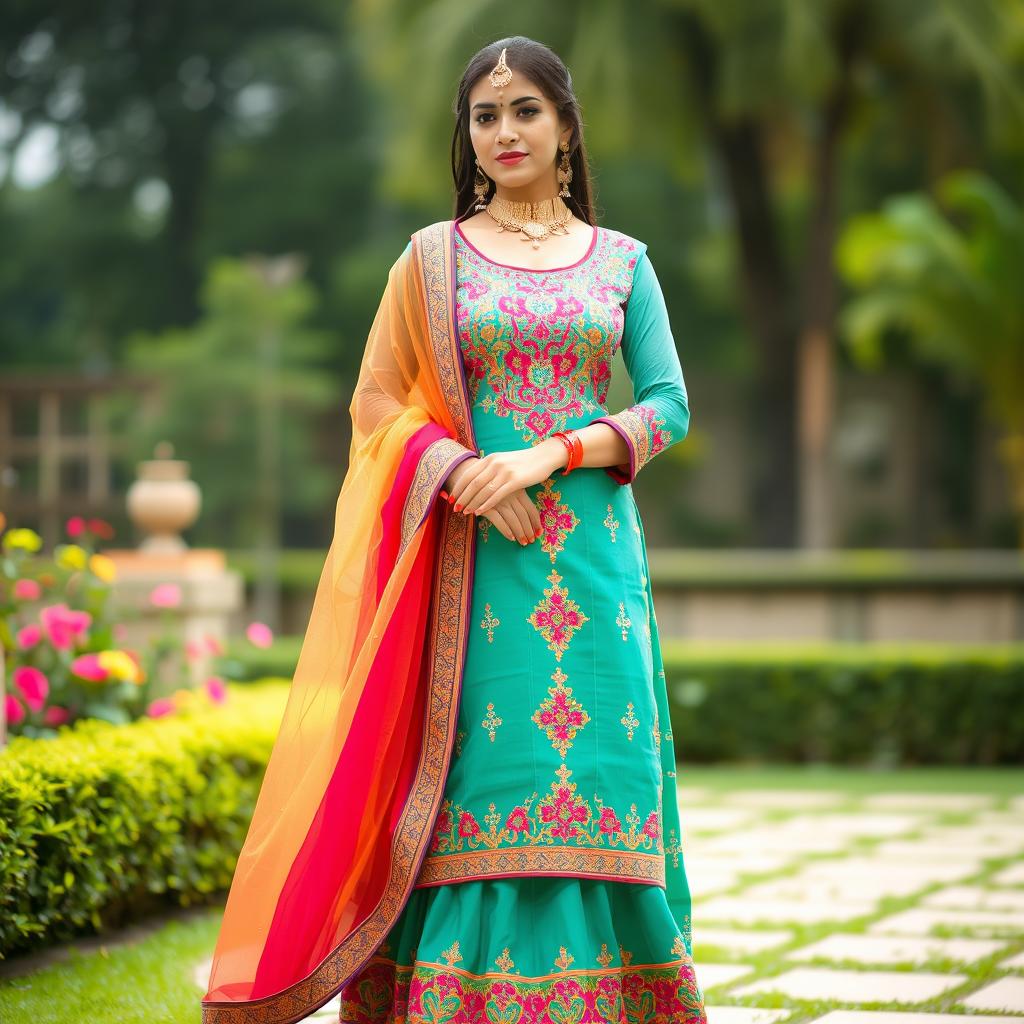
[(522, 99)]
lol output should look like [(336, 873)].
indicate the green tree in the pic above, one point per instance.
[(773, 90), (240, 396), (950, 277)]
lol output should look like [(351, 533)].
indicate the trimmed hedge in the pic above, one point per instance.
[(107, 822), (877, 705)]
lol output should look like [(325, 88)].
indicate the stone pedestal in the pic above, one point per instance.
[(210, 595)]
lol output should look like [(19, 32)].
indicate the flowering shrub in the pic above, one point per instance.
[(62, 650)]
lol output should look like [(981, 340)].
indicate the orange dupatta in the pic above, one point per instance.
[(356, 775)]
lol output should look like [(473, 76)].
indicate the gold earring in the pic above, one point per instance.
[(480, 187), (564, 171)]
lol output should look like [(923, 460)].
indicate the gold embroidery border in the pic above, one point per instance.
[(457, 867), (448, 631), (435, 464)]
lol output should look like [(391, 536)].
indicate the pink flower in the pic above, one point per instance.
[(63, 625), (101, 528), (260, 634), (160, 707), (165, 595), (194, 649), (213, 645), (75, 526), (29, 636), (27, 590), (56, 715), (15, 712), (33, 684), (88, 667), (216, 689)]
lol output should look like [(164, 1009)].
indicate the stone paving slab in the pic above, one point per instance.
[(714, 975), (854, 986), (754, 940), (781, 799), (775, 840), (715, 819), (741, 910), (752, 862), (854, 824), (1004, 994), (929, 801), (974, 897), (928, 872), (1012, 875), (744, 1015), (921, 921), (856, 889), (1015, 963), (891, 950), (707, 883), (921, 849), (906, 1017)]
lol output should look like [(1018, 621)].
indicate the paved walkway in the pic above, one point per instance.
[(817, 906)]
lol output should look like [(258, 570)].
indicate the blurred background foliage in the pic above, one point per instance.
[(150, 153)]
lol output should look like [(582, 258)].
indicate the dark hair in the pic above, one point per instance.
[(544, 67)]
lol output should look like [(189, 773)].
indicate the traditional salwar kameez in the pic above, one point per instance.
[(554, 888), (469, 814)]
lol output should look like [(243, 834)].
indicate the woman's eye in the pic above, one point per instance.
[(522, 110)]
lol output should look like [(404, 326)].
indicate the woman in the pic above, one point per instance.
[(470, 810)]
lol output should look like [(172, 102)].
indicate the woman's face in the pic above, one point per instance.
[(517, 118)]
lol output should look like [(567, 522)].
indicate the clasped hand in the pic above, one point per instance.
[(495, 485)]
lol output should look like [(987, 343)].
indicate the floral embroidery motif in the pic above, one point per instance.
[(646, 431), (560, 715), (565, 958), (459, 737), (561, 814), (485, 527), (629, 720), (489, 622), (543, 343), (623, 621), (604, 958), (505, 962), (491, 721), (556, 520), (451, 955), (556, 617), (672, 846), (428, 993), (563, 809), (627, 957), (611, 522), (656, 731)]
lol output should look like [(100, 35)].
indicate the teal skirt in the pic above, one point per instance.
[(531, 950)]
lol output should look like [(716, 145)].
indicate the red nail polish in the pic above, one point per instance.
[(458, 507)]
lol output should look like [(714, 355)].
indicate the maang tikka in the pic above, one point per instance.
[(536, 221)]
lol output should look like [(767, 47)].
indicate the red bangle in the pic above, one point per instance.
[(567, 444), (574, 446)]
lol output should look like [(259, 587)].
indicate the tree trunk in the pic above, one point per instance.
[(766, 290)]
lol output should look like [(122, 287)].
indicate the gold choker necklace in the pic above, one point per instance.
[(536, 221)]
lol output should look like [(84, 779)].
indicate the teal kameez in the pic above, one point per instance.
[(554, 887)]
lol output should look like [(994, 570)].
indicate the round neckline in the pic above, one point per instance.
[(530, 270)]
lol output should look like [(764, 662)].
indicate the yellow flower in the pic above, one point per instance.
[(184, 698), (70, 556), (23, 538), (103, 567), (119, 665)]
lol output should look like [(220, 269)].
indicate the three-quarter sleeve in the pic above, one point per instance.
[(660, 414)]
